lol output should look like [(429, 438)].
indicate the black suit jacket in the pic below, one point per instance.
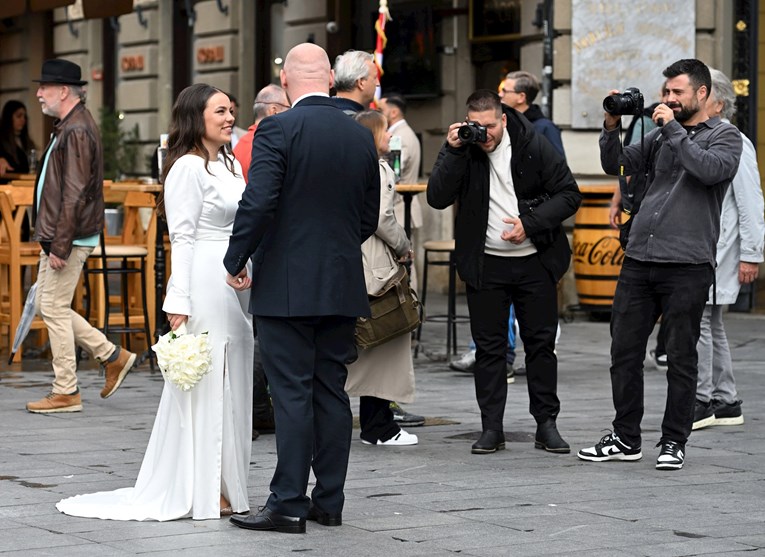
[(312, 198)]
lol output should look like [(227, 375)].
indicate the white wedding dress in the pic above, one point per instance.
[(201, 441)]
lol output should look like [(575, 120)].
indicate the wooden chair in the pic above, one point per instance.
[(15, 255), (133, 253)]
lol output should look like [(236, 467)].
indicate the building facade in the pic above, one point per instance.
[(141, 54)]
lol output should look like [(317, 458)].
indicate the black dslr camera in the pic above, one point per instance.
[(629, 103), (472, 132)]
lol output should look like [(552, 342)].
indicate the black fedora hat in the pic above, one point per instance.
[(61, 71)]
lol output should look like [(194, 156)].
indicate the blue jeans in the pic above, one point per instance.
[(643, 293)]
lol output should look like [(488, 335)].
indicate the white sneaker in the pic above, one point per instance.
[(401, 439), (465, 363)]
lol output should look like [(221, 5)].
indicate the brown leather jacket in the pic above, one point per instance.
[(72, 201)]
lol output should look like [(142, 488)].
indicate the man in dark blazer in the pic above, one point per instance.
[(312, 199)]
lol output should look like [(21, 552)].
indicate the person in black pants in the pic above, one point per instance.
[(384, 372), (513, 190), (308, 206), (262, 410), (689, 162)]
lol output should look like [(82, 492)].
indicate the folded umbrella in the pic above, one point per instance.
[(27, 316)]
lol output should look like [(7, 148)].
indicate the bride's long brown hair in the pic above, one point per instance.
[(187, 128)]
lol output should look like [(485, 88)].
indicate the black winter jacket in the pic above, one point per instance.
[(547, 195)]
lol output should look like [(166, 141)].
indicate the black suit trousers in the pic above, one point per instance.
[(304, 359), (524, 282)]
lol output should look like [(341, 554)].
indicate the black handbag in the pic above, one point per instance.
[(395, 311)]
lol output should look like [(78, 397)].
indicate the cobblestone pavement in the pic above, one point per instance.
[(432, 499)]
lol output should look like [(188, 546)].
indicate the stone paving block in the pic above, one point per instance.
[(30, 539), (694, 547), (416, 501), (754, 541), (78, 550)]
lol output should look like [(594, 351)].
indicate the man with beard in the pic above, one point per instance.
[(68, 218), (670, 258)]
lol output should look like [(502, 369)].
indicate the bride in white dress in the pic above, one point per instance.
[(198, 457)]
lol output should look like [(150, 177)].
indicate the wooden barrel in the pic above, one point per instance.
[(597, 254)]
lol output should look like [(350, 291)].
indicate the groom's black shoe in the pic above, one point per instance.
[(325, 519), (267, 519)]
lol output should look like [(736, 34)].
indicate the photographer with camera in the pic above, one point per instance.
[(513, 191), (688, 162)]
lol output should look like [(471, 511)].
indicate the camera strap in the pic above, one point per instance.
[(629, 191)]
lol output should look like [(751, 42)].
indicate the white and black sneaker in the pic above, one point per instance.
[(671, 456), (610, 447)]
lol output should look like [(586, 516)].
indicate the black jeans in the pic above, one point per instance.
[(376, 419), (645, 291), (525, 283)]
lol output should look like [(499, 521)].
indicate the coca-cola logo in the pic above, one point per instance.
[(605, 252)]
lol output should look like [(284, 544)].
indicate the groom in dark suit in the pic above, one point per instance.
[(312, 199)]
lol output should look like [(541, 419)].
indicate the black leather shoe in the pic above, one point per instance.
[(267, 519), (490, 442), (323, 518), (549, 439)]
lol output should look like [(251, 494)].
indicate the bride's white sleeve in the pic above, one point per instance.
[(184, 196)]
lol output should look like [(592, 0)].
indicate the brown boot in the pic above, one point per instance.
[(116, 371), (56, 402)]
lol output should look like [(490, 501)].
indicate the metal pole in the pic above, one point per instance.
[(547, 58)]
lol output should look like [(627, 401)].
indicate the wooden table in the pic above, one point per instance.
[(159, 252), (17, 176), (408, 191)]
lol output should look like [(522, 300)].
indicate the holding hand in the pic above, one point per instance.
[(516, 234), (176, 320), (407, 258), (452, 137), (663, 114), (239, 282), (611, 122)]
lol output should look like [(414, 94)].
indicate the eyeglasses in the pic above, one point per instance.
[(508, 91), (282, 105)]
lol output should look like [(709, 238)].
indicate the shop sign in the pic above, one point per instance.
[(213, 54), (132, 63)]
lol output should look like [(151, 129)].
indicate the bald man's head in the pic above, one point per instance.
[(306, 70)]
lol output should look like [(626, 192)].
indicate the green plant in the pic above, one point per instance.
[(120, 147)]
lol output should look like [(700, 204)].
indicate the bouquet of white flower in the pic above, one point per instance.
[(184, 358)]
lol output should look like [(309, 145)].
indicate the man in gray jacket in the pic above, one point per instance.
[(739, 251), (670, 258)]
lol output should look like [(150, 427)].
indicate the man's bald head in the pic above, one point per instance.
[(306, 70)]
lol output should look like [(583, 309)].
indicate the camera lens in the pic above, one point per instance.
[(610, 104), (466, 133)]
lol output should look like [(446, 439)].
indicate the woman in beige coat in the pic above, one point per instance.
[(385, 372)]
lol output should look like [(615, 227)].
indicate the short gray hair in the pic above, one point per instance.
[(350, 67), (525, 82), (722, 90), (270, 94), (78, 91)]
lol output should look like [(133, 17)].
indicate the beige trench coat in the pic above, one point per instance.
[(385, 371)]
